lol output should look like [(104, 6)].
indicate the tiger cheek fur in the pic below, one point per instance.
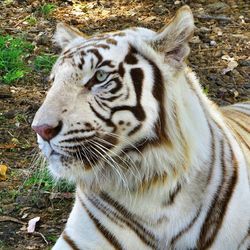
[(156, 164)]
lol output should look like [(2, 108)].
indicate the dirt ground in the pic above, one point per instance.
[(220, 55)]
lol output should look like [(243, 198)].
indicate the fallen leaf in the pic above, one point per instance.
[(32, 224), (3, 170), (227, 58), (231, 65), (236, 93), (25, 216)]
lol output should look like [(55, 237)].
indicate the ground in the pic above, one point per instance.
[(219, 56)]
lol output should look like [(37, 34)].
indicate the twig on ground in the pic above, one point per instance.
[(12, 219), (43, 237)]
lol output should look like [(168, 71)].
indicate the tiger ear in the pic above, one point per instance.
[(173, 39), (65, 34)]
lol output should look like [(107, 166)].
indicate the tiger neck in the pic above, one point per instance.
[(168, 165)]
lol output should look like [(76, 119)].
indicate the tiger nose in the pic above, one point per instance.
[(46, 131)]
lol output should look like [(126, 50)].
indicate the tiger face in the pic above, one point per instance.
[(107, 96)]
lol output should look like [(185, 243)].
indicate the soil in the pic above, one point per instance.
[(221, 36)]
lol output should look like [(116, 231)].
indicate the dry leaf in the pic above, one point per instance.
[(32, 224), (25, 216), (231, 65), (227, 58), (3, 170)]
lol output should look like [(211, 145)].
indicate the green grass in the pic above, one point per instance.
[(206, 89), (31, 20), (8, 1), (13, 55), (52, 238), (47, 9), (45, 62), (2, 117), (41, 179)]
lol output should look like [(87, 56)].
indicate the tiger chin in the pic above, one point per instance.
[(156, 164)]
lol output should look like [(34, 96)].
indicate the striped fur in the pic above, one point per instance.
[(157, 165)]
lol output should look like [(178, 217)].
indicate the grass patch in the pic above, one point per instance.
[(52, 238), (47, 9), (13, 54), (206, 89), (2, 117), (31, 20), (45, 62), (8, 2), (41, 179)]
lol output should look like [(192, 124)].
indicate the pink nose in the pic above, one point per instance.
[(47, 132)]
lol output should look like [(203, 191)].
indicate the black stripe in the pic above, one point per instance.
[(100, 104), (110, 99), (76, 131), (108, 122), (117, 87), (102, 229), (113, 216), (184, 230), (218, 208), (128, 218), (137, 78), (70, 242), (97, 54), (134, 130), (130, 58), (77, 139), (173, 195), (106, 63)]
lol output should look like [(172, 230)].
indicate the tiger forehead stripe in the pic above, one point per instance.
[(111, 41), (131, 56)]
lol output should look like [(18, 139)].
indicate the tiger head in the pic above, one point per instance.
[(107, 99)]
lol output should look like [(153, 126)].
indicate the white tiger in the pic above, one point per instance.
[(156, 164)]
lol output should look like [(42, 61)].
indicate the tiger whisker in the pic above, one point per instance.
[(110, 160), (130, 164), (123, 139)]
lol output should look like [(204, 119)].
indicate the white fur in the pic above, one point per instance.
[(186, 161)]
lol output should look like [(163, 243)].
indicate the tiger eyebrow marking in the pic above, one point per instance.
[(97, 54), (106, 63), (111, 41), (103, 46)]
